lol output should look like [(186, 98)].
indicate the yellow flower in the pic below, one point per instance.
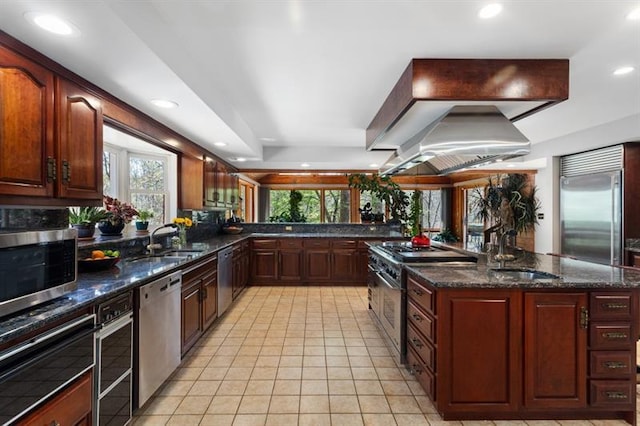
[(188, 222), (183, 222)]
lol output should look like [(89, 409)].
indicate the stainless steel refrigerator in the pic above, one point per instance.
[(591, 217)]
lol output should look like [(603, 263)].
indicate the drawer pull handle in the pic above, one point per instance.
[(415, 369), (54, 423), (615, 364), (417, 343), (417, 292), (584, 317), (417, 317), (615, 336), (616, 395), (614, 305)]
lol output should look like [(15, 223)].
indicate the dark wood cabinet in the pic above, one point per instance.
[(50, 136), (240, 274), (344, 260), (211, 195), (290, 265), (523, 353), (79, 142), (264, 264), (72, 406), (199, 301), (555, 357), (27, 163), (276, 261), (192, 170)]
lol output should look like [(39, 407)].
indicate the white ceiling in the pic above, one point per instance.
[(309, 75)]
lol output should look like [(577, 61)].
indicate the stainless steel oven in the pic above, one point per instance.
[(33, 371), (36, 267), (114, 360)]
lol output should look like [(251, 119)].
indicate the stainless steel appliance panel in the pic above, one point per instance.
[(158, 333), (225, 279), (33, 371), (391, 314), (36, 267), (591, 217)]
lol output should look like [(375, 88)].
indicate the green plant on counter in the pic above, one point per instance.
[(144, 215), (445, 236), (86, 215), (385, 189), (508, 202), (415, 213), (294, 214)]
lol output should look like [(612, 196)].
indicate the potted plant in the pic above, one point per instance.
[(84, 219), (142, 219), (118, 215), (294, 214), (385, 189)]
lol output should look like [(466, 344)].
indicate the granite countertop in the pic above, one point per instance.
[(573, 274), (96, 287)]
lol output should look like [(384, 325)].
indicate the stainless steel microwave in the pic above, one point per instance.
[(35, 267)]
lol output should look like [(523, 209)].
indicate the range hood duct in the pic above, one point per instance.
[(465, 136)]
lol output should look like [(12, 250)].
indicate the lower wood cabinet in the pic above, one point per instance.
[(240, 269), (72, 406), (523, 353), (199, 301)]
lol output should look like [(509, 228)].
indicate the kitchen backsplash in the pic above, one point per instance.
[(17, 219)]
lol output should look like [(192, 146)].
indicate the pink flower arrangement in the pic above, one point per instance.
[(118, 211)]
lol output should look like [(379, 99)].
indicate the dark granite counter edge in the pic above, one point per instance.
[(94, 288)]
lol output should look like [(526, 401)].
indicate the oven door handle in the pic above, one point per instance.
[(46, 352), (387, 284)]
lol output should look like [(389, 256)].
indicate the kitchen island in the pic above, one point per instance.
[(545, 337)]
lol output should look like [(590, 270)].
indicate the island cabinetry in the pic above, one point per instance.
[(344, 260), (72, 406), (555, 341), (290, 260), (317, 259), (612, 369), (240, 267), (199, 301), (264, 260)]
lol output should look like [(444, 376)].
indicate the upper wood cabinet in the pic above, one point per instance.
[(79, 143), (191, 182), (27, 154), (211, 194), (42, 156)]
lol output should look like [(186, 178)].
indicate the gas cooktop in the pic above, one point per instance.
[(405, 252)]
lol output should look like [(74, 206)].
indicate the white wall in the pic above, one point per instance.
[(548, 178)]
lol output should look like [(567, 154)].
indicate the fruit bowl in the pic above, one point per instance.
[(232, 230), (92, 265)]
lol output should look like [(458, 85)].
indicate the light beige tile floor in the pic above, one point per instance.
[(296, 356)]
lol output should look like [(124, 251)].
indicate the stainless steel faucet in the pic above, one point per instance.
[(152, 247), (502, 257)]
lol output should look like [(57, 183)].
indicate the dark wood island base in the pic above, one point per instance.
[(524, 353)]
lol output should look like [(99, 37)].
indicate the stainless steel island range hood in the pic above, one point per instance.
[(464, 136)]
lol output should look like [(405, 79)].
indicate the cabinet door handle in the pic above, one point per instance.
[(417, 317), (615, 335), (614, 305), (417, 343), (66, 172), (415, 369), (51, 169), (616, 395), (584, 317), (417, 292), (614, 364), (54, 423)]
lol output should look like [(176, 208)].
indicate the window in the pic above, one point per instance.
[(473, 223), (317, 205), (377, 205), (109, 172), (147, 188), (432, 210)]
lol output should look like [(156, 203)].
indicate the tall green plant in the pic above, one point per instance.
[(294, 214), (508, 202), (385, 189), (415, 213)]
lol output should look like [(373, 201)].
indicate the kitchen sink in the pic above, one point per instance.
[(166, 257), (180, 253), (522, 274)]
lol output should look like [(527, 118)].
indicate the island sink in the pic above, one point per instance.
[(522, 274)]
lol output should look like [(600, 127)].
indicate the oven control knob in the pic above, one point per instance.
[(116, 313), (108, 317)]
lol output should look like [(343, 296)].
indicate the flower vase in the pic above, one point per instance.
[(182, 234)]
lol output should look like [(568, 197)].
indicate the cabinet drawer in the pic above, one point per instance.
[(611, 306), (344, 244), (611, 364), (421, 373), (422, 297), (204, 267), (419, 344), (421, 321), (317, 243), (611, 336), (264, 244), (612, 393), (290, 243)]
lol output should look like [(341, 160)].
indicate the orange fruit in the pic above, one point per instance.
[(97, 254)]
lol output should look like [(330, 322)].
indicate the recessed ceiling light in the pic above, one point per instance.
[(634, 15), (52, 23), (220, 144), (241, 159), (268, 139), (499, 160), (164, 103), (511, 165), (490, 10), (304, 165), (623, 70), (373, 165)]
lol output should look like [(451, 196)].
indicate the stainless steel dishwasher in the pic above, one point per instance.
[(225, 279), (158, 333)]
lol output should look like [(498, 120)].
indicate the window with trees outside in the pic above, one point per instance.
[(431, 209), (317, 205), (377, 205)]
